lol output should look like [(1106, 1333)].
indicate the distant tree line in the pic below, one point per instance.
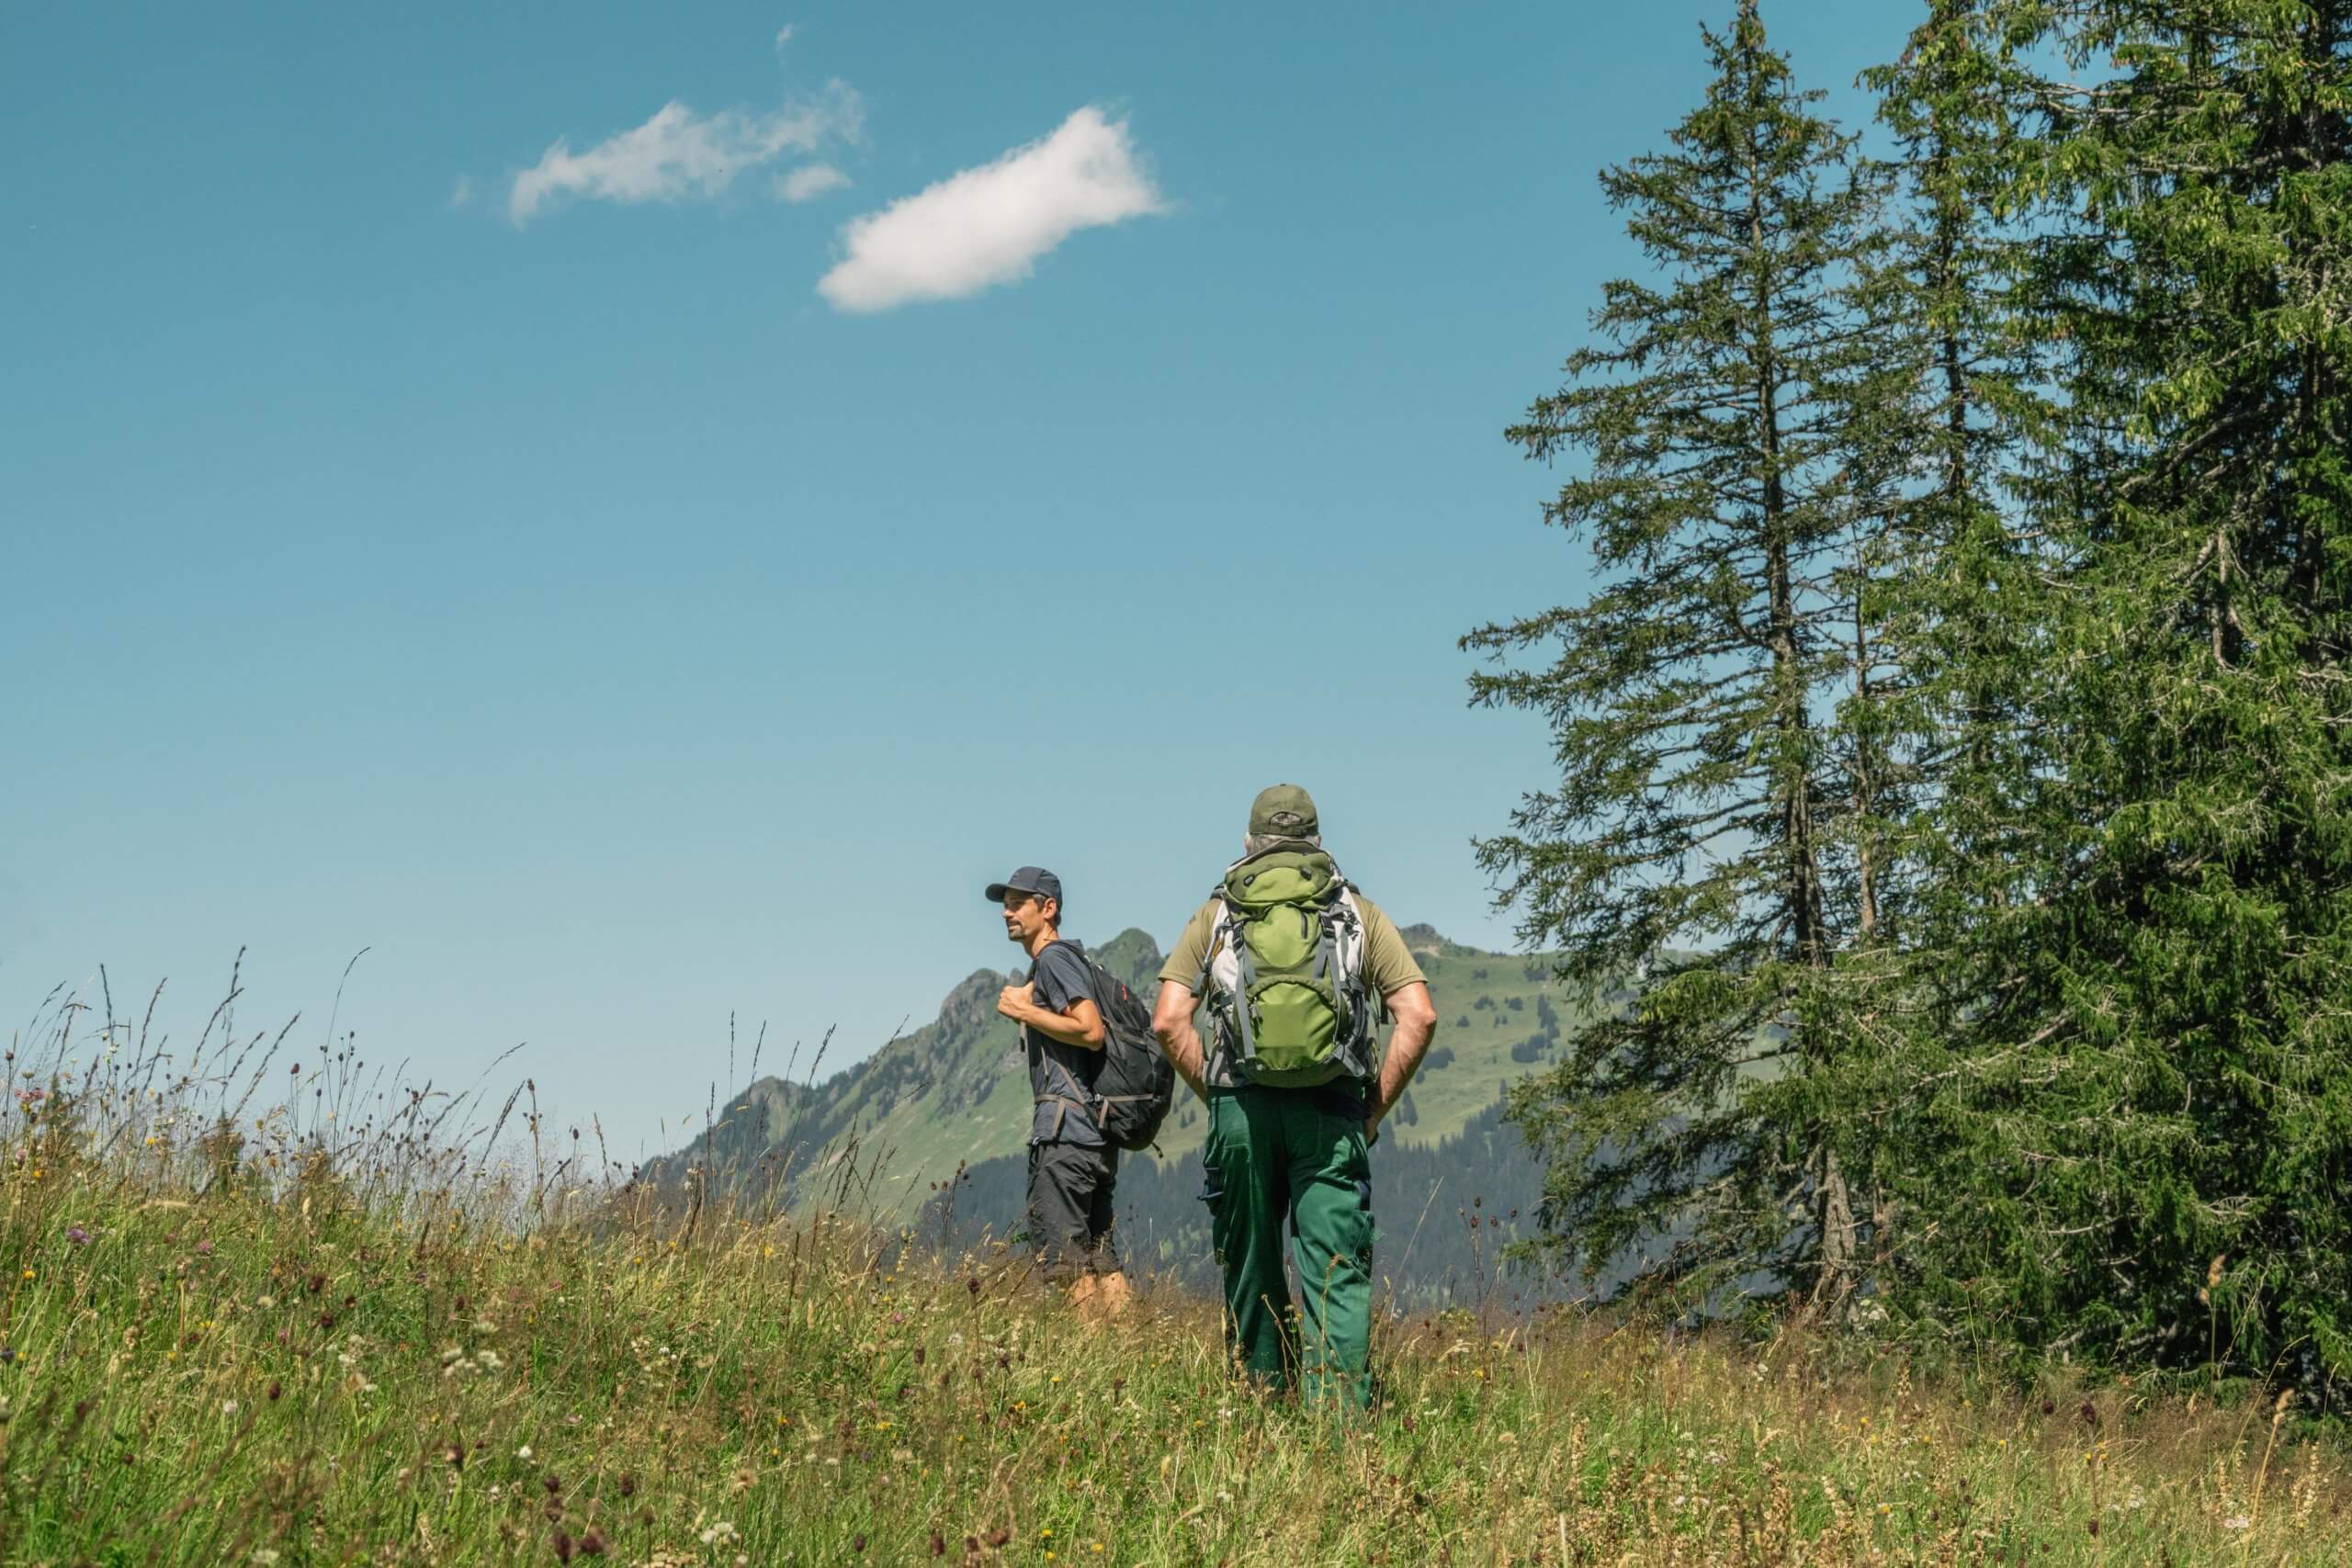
[(1957, 735)]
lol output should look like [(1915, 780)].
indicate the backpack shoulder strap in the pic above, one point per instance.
[(1220, 915), (1085, 959)]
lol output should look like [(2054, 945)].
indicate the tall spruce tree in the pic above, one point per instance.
[(1708, 702), (1958, 634), (2150, 1101)]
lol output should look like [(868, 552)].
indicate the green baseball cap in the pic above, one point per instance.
[(1282, 811)]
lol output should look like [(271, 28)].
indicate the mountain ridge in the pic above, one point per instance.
[(953, 1094)]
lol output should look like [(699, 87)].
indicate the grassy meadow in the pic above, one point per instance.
[(262, 1342)]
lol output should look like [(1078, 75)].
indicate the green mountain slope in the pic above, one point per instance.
[(954, 1093)]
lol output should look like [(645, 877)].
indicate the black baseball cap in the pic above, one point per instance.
[(1028, 879)]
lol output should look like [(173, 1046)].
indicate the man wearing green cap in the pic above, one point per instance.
[(1296, 969)]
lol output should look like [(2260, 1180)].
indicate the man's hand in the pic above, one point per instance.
[(1018, 1001)]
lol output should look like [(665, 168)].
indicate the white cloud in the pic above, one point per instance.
[(462, 193), (809, 182), (989, 225), (783, 37), (678, 153)]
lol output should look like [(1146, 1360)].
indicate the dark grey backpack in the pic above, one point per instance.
[(1133, 1085)]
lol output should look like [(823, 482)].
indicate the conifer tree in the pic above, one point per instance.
[(2152, 1094), (1958, 646), (1732, 447)]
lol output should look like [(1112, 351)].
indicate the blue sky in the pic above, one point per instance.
[(561, 597)]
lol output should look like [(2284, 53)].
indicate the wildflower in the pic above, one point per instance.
[(718, 1533), (263, 1556), (204, 1249), (228, 1408), (77, 1235), (2237, 1522), (524, 1452)]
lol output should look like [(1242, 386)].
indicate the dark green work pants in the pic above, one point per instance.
[(1296, 1154)]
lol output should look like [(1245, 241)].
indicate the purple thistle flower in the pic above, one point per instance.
[(77, 1235), (204, 1249)]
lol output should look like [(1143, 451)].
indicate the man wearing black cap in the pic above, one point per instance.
[(1072, 1167), (1296, 969)]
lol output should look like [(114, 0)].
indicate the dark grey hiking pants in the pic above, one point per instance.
[(1070, 1209)]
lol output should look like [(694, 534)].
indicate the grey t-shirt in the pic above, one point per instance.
[(1062, 977)]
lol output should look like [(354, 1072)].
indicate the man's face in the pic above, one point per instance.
[(1027, 914)]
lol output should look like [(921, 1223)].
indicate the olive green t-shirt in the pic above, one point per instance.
[(1388, 968)]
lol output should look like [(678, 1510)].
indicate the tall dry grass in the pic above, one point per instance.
[(267, 1316)]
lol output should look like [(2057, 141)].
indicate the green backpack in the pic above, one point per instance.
[(1285, 973)]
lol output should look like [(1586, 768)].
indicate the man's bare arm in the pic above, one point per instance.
[(1416, 1018), (1081, 1026), (1171, 1024)]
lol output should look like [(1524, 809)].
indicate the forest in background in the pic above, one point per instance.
[(1956, 730)]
